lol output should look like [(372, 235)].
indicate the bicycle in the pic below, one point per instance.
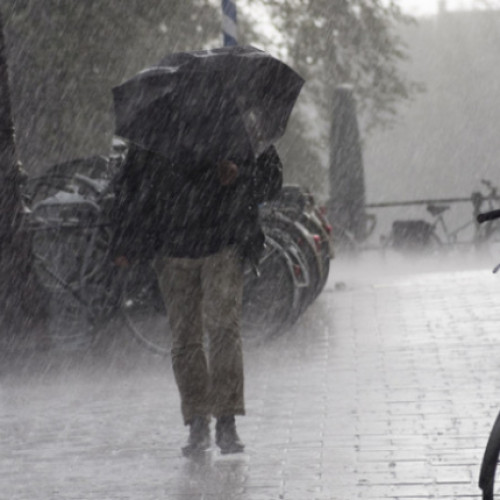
[(299, 205), (294, 237), (69, 244), (431, 237), (490, 458), (271, 298)]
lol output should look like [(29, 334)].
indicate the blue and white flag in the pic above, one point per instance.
[(229, 23)]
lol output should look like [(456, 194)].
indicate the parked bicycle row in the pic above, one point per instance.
[(71, 236)]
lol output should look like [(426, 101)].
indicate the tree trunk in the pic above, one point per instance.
[(21, 299)]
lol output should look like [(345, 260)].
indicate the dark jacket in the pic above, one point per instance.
[(184, 211)]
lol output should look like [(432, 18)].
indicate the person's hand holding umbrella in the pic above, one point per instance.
[(227, 172)]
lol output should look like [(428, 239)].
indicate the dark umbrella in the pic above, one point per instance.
[(227, 102), (347, 182)]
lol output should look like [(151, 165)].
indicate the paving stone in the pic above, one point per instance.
[(385, 389)]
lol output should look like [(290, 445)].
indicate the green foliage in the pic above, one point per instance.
[(333, 42), (66, 55)]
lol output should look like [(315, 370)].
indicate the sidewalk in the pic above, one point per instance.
[(387, 388)]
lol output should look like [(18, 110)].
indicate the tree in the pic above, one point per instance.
[(20, 298), (332, 42), (335, 42), (65, 57)]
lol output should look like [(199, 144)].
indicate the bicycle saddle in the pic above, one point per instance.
[(436, 210)]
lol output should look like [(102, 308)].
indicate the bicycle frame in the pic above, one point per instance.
[(451, 236)]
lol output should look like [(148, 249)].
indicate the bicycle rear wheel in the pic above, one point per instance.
[(270, 298), (488, 473), (143, 310), (70, 244), (434, 246), (304, 240), (68, 259), (314, 226), (413, 245)]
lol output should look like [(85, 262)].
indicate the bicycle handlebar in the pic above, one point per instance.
[(486, 216)]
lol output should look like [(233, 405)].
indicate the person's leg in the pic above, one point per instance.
[(180, 284), (222, 283)]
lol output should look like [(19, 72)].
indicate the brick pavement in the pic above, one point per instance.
[(387, 388)]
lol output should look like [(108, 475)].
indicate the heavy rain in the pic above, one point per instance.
[(249, 249)]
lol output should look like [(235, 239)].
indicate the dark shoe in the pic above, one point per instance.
[(226, 437), (199, 437)]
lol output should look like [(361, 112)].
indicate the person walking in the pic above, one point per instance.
[(203, 226)]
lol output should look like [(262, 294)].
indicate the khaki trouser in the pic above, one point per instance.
[(204, 296)]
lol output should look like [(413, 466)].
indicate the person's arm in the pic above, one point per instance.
[(121, 261), (227, 172), (268, 175)]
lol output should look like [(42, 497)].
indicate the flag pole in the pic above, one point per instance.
[(229, 23)]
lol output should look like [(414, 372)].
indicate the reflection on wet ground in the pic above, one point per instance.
[(214, 477)]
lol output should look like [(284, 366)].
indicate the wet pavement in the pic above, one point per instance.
[(386, 388)]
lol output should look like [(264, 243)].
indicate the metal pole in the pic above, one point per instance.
[(386, 204), (229, 23)]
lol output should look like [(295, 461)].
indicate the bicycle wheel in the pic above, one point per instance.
[(322, 240), (314, 241), (299, 268), (270, 298), (489, 463), (143, 309), (285, 230), (70, 249), (70, 244), (434, 246)]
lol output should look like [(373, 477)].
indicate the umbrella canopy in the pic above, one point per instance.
[(227, 102)]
